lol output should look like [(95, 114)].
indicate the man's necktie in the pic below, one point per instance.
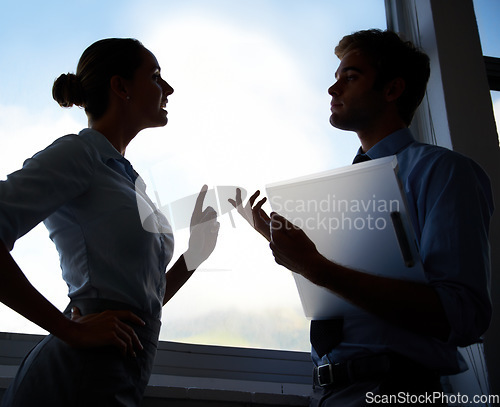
[(360, 158)]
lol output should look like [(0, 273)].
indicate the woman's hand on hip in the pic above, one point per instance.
[(108, 328)]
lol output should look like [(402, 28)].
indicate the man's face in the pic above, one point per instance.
[(355, 104)]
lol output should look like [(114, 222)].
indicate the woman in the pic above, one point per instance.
[(101, 349)]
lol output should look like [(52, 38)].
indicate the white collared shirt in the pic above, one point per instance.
[(84, 191), (450, 203)]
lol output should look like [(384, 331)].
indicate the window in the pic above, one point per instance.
[(250, 107), (495, 97), (489, 32)]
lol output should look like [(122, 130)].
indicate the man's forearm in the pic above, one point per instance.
[(411, 305)]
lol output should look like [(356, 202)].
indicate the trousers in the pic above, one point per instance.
[(55, 374)]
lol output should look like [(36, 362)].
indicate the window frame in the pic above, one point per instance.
[(444, 119), (201, 372), (492, 65)]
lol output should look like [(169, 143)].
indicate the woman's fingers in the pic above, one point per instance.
[(198, 207), (201, 198), (112, 328), (127, 339)]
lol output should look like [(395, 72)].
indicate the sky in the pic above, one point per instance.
[(250, 107), (487, 12)]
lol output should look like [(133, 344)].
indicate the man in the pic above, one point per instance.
[(409, 335)]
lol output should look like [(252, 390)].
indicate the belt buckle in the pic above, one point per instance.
[(325, 375)]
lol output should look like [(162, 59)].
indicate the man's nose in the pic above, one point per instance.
[(334, 89)]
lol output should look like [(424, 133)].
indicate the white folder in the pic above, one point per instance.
[(358, 217)]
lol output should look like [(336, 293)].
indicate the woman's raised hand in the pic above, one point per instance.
[(204, 232)]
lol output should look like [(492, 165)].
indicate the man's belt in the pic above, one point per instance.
[(351, 371)]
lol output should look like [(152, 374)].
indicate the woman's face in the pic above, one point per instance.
[(148, 93)]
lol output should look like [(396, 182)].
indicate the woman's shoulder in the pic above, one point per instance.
[(68, 144), (66, 154)]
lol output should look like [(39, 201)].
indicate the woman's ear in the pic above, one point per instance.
[(394, 89), (119, 87)]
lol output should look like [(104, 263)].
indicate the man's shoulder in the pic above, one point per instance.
[(431, 164), (430, 151), (431, 156)]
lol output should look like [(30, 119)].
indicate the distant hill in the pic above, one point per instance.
[(277, 328)]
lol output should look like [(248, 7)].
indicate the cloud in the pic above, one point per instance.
[(243, 109), (244, 112), (25, 130)]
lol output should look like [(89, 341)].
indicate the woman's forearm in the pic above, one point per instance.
[(17, 293), (102, 329), (176, 277)]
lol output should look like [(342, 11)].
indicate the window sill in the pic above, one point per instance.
[(229, 391), (201, 375)]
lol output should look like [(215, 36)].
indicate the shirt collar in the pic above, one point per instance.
[(390, 145), (109, 154), (102, 144)]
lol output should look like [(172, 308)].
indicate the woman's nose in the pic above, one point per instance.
[(167, 89)]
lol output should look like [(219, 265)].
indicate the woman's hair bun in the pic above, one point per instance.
[(68, 91)]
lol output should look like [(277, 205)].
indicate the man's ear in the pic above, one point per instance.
[(394, 89), (119, 87)]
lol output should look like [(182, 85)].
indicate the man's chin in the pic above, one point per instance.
[(335, 123), (338, 124)]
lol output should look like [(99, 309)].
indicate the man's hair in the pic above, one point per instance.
[(392, 57)]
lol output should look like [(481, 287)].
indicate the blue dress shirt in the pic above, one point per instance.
[(450, 203), (88, 196)]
